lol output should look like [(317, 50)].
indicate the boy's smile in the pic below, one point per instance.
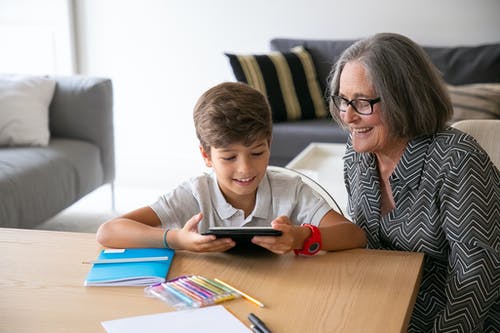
[(245, 181), (239, 170)]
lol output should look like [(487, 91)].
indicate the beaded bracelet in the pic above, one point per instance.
[(165, 238)]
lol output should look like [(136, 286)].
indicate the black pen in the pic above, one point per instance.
[(255, 329), (259, 324)]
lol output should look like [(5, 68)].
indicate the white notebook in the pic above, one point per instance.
[(207, 319)]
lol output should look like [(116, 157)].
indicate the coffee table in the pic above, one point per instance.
[(323, 163)]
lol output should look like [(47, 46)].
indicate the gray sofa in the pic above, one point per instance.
[(459, 66), (38, 182)]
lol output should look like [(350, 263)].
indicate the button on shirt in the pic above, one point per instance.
[(277, 195)]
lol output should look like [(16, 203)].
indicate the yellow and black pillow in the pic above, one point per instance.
[(288, 79)]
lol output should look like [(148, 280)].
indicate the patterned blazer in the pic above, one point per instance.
[(447, 205)]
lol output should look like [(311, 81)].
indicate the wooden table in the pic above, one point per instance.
[(41, 287)]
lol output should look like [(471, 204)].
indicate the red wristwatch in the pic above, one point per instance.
[(312, 245)]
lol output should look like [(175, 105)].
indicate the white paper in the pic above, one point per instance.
[(207, 319)]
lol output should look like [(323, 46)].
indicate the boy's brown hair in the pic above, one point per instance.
[(229, 113)]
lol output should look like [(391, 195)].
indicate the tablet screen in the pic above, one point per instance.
[(242, 232), (243, 238)]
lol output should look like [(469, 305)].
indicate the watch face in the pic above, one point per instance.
[(314, 247)]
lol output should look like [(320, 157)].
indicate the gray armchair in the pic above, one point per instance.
[(38, 182)]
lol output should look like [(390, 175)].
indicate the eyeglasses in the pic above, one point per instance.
[(362, 106)]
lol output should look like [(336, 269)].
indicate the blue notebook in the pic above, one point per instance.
[(148, 266)]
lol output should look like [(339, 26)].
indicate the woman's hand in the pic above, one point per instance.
[(188, 238), (292, 237)]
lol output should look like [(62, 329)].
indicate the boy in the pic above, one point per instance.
[(234, 127)]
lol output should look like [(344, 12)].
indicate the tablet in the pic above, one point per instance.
[(243, 238), (242, 232)]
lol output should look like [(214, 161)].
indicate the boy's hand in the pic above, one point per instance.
[(292, 237), (189, 239)]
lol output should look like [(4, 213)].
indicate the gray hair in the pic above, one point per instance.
[(413, 96)]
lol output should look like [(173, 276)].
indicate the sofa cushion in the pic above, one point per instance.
[(24, 110), (467, 64), (36, 182), (475, 101), (288, 79), (458, 64)]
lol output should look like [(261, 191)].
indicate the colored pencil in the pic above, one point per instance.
[(244, 295)]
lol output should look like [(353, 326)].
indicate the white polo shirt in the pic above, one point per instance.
[(277, 195)]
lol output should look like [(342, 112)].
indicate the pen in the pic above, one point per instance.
[(255, 329), (248, 297), (124, 260), (259, 324)]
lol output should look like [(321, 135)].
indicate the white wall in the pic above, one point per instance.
[(36, 37), (162, 55)]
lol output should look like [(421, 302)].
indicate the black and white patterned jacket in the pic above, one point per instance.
[(447, 205)]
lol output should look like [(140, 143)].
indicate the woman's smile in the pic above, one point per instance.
[(361, 130)]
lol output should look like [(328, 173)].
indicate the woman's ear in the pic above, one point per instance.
[(206, 157)]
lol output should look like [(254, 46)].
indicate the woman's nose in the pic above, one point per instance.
[(350, 115)]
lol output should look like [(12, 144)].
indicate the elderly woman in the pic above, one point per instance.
[(415, 184)]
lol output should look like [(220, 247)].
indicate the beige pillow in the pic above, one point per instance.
[(475, 101), (24, 110)]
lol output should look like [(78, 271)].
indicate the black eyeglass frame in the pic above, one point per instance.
[(350, 102)]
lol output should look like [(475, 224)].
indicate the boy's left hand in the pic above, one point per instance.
[(280, 244), (189, 239)]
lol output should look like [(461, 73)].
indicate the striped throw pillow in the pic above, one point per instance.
[(475, 101), (288, 79)]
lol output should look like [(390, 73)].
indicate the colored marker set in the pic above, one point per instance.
[(191, 291)]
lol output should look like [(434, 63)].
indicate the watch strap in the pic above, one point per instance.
[(312, 245)]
